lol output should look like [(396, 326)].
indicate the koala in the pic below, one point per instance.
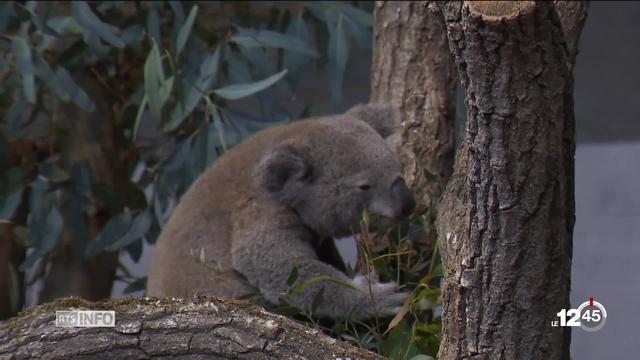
[(274, 201)]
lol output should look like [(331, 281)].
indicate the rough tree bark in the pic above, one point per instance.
[(414, 70), (169, 329), (572, 15), (10, 284), (506, 218)]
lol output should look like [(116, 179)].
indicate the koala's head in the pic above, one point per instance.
[(339, 169)]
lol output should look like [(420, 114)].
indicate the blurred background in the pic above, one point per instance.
[(322, 78)]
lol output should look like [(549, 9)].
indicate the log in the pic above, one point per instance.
[(199, 328)]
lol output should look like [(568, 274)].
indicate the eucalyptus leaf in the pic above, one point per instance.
[(14, 117), (26, 14), (92, 24), (135, 250), (9, 203), (438, 271), (104, 6), (57, 85), (293, 276), (64, 25), (195, 90), (153, 24), (293, 60), (239, 91), (136, 124), (12, 178), (136, 198), (103, 193), (158, 210), (342, 8), (176, 6), (317, 300), (22, 53), (360, 33), (73, 211), (353, 12), (39, 201), (99, 49), (422, 357), (261, 64), (165, 90), (50, 171), (153, 78), (185, 30), (198, 158), (22, 12), (212, 143), (141, 224), (399, 343), (267, 38), (43, 72), (208, 70), (135, 286), (180, 154), (237, 68), (75, 92), (338, 56), (81, 177), (217, 122), (133, 34), (112, 231), (6, 12), (45, 234)]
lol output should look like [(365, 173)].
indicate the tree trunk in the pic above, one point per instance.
[(160, 328), (414, 70), (11, 296), (90, 137), (572, 15), (506, 218)]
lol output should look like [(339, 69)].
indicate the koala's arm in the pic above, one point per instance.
[(266, 258)]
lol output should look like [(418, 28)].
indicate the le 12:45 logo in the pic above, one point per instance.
[(590, 316)]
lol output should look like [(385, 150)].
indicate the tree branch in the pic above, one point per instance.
[(146, 328)]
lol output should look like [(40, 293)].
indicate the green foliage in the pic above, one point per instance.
[(177, 69), (401, 256)]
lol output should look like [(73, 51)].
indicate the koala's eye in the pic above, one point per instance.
[(364, 187)]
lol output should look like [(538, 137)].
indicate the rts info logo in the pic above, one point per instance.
[(86, 318), (590, 316)]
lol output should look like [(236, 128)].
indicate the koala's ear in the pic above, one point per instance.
[(383, 118), (283, 172)]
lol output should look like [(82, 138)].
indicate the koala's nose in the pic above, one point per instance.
[(408, 207), (402, 194)]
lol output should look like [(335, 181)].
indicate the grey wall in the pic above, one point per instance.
[(607, 90), (606, 252)]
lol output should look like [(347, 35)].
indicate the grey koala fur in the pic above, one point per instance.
[(270, 204)]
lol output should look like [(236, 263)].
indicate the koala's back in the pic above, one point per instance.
[(203, 221)]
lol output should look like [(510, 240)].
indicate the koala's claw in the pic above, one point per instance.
[(384, 298)]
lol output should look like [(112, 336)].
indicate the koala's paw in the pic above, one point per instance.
[(382, 299)]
